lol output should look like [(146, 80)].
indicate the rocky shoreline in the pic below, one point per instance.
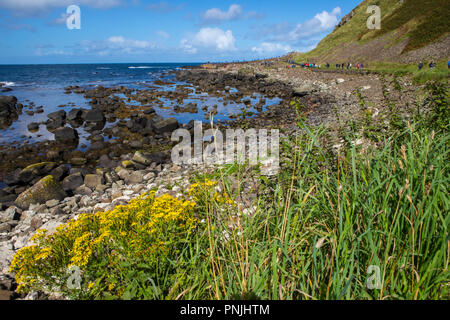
[(51, 182)]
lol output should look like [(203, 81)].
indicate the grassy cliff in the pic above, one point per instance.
[(411, 30)]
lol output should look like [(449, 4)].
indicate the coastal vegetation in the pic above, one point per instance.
[(321, 226), (359, 208)]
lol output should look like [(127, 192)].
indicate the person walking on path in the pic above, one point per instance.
[(420, 65)]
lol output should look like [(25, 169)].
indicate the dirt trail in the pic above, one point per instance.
[(330, 95)]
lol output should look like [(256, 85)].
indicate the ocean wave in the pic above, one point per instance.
[(7, 83), (103, 68), (140, 67), (147, 67)]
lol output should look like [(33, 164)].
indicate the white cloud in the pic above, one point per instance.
[(188, 47), (270, 48), (320, 23), (32, 7), (118, 44), (301, 32), (121, 42), (234, 12), (215, 15), (210, 38), (56, 52)]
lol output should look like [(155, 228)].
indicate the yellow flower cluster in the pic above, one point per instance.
[(206, 190), (203, 186), (147, 228)]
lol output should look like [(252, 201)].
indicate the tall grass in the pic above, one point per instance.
[(361, 222), (326, 220)]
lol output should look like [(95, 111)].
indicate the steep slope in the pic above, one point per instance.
[(411, 30)]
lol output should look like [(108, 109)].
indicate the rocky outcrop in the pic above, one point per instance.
[(58, 115), (66, 135), (93, 180), (166, 125), (45, 189), (72, 182), (95, 115), (74, 114), (8, 111), (345, 19), (35, 171)]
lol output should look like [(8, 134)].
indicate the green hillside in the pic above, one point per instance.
[(406, 26)]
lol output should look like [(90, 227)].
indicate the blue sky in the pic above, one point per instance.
[(35, 31)]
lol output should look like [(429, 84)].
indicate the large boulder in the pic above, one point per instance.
[(93, 180), (10, 214), (58, 115), (304, 90), (52, 125), (78, 162), (33, 127), (95, 115), (13, 177), (6, 255), (35, 171), (147, 159), (8, 111), (47, 188), (166, 125), (66, 135), (142, 158), (60, 172), (7, 198), (74, 114), (135, 177), (73, 181)]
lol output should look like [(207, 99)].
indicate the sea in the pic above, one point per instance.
[(44, 86)]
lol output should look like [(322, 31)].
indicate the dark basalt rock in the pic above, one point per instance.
[(52, 125), (73, 181), (99, 145), (58, 115), (149, 110), (66, 135), (95, 115), (13, 177), (166, 125), (33, 127), (74, 114), (8, 111), (60, 172)]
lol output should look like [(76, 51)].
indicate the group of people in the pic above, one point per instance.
[(349, 66), (310, 65), (431, 65), (315, 65)]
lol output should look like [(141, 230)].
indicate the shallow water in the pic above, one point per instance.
[(44, 86)]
